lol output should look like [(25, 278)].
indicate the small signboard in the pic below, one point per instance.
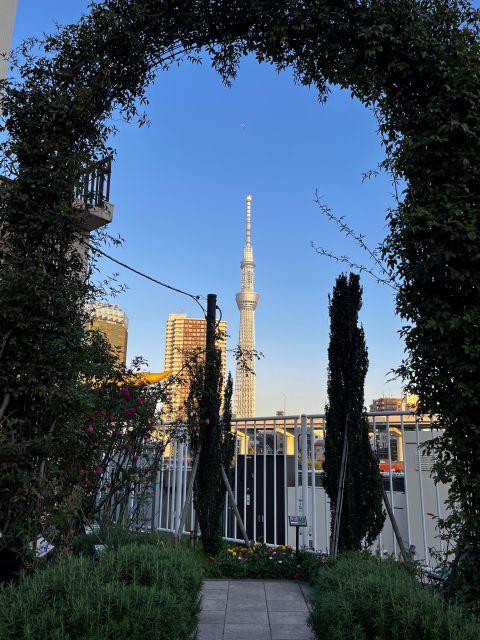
[(297, 521)]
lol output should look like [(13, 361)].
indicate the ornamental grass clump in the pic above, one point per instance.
[(138, 592), (361, 597)]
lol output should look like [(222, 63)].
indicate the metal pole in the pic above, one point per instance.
[(235, 508), (303, 419), (188, 498)]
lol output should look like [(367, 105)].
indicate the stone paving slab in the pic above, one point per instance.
[(254, 610)]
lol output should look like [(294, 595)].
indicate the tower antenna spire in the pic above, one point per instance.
[(249, 217), (247, 301)]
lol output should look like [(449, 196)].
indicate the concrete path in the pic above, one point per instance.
[(254, 610)]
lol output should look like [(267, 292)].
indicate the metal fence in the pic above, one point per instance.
[(277, 471)]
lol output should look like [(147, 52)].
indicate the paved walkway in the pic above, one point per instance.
[(254, 610)]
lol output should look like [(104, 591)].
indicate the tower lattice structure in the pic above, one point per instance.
[(247, 300)]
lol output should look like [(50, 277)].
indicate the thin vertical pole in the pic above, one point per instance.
[(264, 482), (235, 534), (174, 487), (285, 483), (255, 480), (405, 481), (314, 487), (274, 481), (390, 480), (245, 462), (303, 419), (422, 502), (295, 462)]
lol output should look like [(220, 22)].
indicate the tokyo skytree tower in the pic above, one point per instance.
[(247, 300)]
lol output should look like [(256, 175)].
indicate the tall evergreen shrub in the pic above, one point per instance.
[(362, 516)]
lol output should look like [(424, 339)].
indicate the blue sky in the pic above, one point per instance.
[(179, 190)]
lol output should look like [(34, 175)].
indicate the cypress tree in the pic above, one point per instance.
[(211, 436), (361, 515)]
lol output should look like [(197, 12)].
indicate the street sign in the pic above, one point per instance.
[(297, 521)]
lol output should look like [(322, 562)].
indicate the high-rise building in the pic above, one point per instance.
[(407, 403), (113, 323), (247, 300), (185, 336), (8, 9), (386, 404)]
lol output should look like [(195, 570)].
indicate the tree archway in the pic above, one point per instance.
[(416, 62)]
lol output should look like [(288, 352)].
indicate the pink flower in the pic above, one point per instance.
[(130, 412), (207, 421), (102, 414), (109, 485), (77, 466), (90, 428), (151, 494), (139, 401), (82, 472), (136, 458), (126, 393), (99, 470), (112, 418)]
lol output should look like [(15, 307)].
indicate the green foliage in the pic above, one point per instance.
[(361, 597), (416, 63), (346, 423), (139, 591), (112, 537), (260, 561), (211, 437)]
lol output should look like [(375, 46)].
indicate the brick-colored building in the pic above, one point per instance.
[(185, 335), (113, 323)]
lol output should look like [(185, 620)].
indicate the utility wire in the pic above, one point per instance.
[(144, 275)]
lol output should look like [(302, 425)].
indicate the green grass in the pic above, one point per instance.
[(363, 598)]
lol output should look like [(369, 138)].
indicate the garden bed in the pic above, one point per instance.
[(361, 597), (137, 591)]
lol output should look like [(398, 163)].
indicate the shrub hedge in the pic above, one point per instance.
[(360, 598), (135, 592), (114, 537)]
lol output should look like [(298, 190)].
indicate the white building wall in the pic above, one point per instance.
[(7, 18)]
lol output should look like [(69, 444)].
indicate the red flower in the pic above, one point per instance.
[(131, 411), (296, 576), (162, 450), (139, 401), (82, 472), (136, 458), (77, 466), (90, 428), (109, 485), (126, 393), (102, 414), (99, 470)]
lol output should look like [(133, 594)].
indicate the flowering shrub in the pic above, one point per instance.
[(257, 561)]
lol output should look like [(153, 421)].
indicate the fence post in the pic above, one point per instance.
[(303, 435)]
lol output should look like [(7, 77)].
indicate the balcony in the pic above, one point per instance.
[(92, 197)]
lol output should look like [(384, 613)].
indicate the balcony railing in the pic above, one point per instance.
[(277, 471), (94, 187)]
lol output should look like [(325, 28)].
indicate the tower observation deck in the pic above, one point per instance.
[(247, 300)]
